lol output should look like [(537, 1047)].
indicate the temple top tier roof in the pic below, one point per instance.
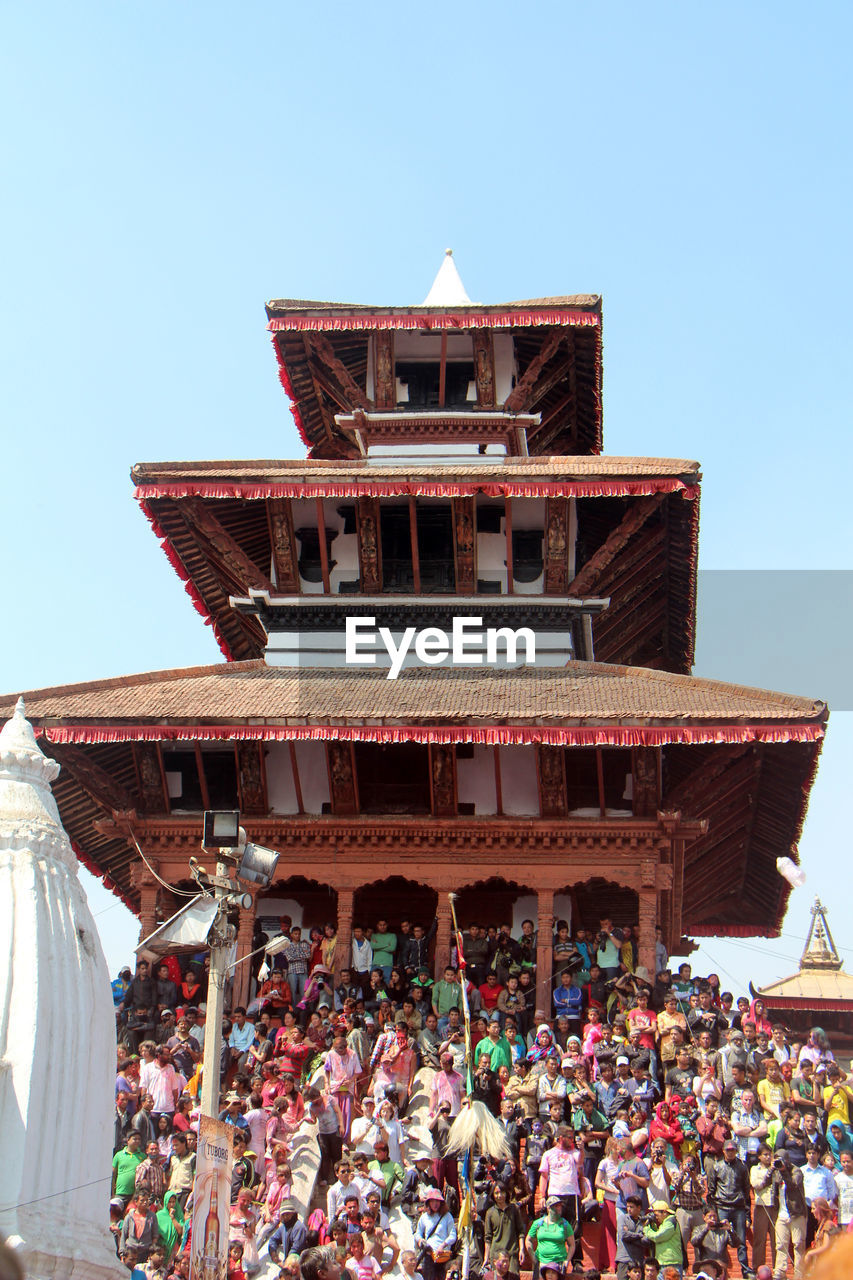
[(523, 377)]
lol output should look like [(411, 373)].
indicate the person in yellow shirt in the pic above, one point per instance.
[(669, 1018), (837, 1097), (773, 1092)]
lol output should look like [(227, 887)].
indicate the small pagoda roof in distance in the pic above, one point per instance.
[(820, 983)]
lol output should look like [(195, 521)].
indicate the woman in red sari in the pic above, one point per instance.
[(666, 1127)]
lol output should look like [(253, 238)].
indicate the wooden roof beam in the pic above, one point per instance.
[(107, 793), (355, 397), (630, 642), (548, 429), (523, 393), (242, 633), (201, 521), (685, 794), (630, 524)]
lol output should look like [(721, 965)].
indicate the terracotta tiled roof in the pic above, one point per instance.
[(578, 694), (498, 470), (812, 985), (285, 306)]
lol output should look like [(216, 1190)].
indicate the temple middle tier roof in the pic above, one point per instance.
[(621, 528)]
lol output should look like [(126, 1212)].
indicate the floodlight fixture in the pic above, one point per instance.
[(222, 829), (275, 945), (258, 865)]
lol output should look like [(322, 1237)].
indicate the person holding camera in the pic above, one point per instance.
[(662, 1229), (687, 1196), (728, 1191), (766, 1207), (791, 1219), (711, 1241)]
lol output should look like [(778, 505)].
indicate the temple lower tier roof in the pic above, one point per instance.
[(581, 702), (736, 763)]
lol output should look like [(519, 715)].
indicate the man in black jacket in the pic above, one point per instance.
[(630, 1241), (728, 1191), (415, 950), (142, 993)]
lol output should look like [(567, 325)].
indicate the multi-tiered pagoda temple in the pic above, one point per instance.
[(454, 472)]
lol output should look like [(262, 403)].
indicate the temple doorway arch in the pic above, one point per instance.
[(308, 903), (496, 901), (394, 898)]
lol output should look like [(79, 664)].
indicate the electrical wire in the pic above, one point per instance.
[(737, 981), (182, 893), (7, 1208)]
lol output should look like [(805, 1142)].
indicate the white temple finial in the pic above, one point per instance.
[(21, 757), (447, 287)]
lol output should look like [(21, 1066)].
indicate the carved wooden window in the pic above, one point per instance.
[(201, 779), (422, 380), (435, 548), (393, 777)]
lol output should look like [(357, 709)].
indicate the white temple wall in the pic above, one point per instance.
[(519, 785), (475, 781)]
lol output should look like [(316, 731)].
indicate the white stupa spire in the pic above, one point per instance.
[(58, 1024), (447, 287)]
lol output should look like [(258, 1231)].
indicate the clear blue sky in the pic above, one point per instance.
[(167, 168)]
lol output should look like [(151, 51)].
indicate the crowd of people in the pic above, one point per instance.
[(675, 1127)]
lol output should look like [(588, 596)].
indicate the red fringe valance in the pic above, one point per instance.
[(100, 874), (284, 379), (731, 931), (422, 488), (189, 586), (573, 316), (813, 1004), (502, 735)]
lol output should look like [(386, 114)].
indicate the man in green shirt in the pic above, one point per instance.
[(665, 1235), (384, 945), (383, 1172), (125, 1163), (496, 1045), (446, 995)]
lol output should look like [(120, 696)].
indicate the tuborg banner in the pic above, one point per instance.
[(212, 1200)]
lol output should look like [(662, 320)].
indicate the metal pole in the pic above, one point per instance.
[(215, 1006)]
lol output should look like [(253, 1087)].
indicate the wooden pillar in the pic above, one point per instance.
[(556, 546), (343, 946), (544, 953), (443, 933), (147, 908), (240, 992), (648, 918)]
